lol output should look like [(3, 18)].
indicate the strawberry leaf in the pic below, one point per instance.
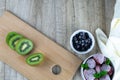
[(107, 61), (100, 74), (85, 66)]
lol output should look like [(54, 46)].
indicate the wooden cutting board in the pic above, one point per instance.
[(54, 54)]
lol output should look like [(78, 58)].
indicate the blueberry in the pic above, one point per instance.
[(74, 38), (89, 41), (86, 45), (82, 44), (80, 37), (78, 46), (74, 45), (86, 35), (82, 49), (73, 42), (81, 33), (86, 41), (77, 35), (82, 41), (76, 42)]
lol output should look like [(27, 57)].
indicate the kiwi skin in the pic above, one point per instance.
[(19, 44), (9, 36)]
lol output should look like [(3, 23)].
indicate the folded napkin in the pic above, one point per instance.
[(110, 46)]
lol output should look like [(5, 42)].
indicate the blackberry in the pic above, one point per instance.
[(82, 41)]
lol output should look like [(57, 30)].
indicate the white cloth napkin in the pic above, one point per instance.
[(110, 46)]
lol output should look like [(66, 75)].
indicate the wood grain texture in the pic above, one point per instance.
[(58, 19), (54, 54), (109, 12)]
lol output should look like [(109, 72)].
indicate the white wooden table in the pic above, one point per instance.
[(58, 19)]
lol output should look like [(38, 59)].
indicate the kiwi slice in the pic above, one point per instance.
[(35, 59), (14, 40), (9, 36), (24, 46)]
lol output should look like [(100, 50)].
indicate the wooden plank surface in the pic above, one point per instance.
[(58, 19), (54, 54)]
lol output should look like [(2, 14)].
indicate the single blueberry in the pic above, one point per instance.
[(86, 41), (74, 45), (76, 42), (80, 42), (74, 38), (77, 35), (86, 45), (81, 33), (82, 49), (80, 37), (89, 45), (78, 46), (86, 35), (89, 40)]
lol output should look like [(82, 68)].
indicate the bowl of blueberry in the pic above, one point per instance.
[(97, 67), (82, 41)]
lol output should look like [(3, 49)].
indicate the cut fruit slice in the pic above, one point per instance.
[(9, 36), (14, 40), (24, 46), (35, 59)]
